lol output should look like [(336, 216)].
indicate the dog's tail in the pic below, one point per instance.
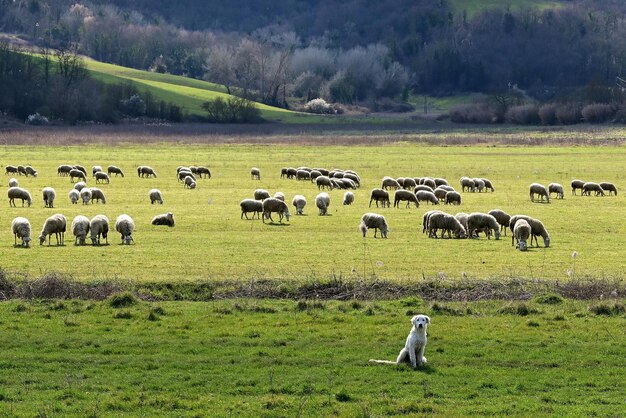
[(382, 361)]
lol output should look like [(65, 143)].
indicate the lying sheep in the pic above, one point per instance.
[(255, 173), (323, 182), (156, 196), (85, 195), (299, 202), (446, 223), (577, 184), (427, 216), (373, 220), (77, 174), (80, 185), (609, 187), (590, 186), (279, 196), (80, 229), (424, 196), (30, 171), (55, 224), (166, 219), (380, 195), (21, 229), (74, 196), (482, 222), (276, 206), (19, 193), (13, 182), (261, 194), (251, 206), (502, 217), (348, 198), (114, 170), (557, 189), (467, 183), (102, 177), (99, 227), (453, 198), (48, 196), (125, 225), (322, 201), (539, 190), (521, 233), (97, 194), (146, 171), (405, 195), (537, 229), (390, 183)]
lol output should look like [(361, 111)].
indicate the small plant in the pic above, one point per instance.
[(342, 396), (319, 106), (521, 309), (123, 315), (608, 310), (549, 299), (122, 300), (37, 120)]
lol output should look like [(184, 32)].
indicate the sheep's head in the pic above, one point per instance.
[(497, 234), (522, 246), (26, 241), (546, 241), (460, 231), (126, 239), (42, 239)]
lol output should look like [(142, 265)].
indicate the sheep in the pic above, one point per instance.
[(463, 218), (114, 170), (299, 202), (479, 184), (13, 182), (139, 170), (155, 196), (19, 193), (348, 198), (577, 184), (405, 195), (323, 182), (255, 173), (203, 172), (11, 169), (97, 194), (164, 219), (427, 181), (373, 220), (380, 195), (337, 183), (422, 187), (488, 184), (482, 222), (446, 187), (424, 196), (427, 216), (77, 174), (64, 170), (48, 196), (21, 170), (21, 229), (557, 189), (99, 227), (283, 172), (609, 187), (261, 194), (590, 186), (452, 198), (96, 169), (147, 171), (440, 193), (539, 190), (55, 224), (447, 223), (322, 201), (502, 217), (347, 183), (80, 185), (303, 175), (275, 205), (182, 174), (30, 171), (521, 233), (537, 229), (291, 172), (441, 182), (80, 229), (409, 183), (192, 185), (188, 181), (467, 183), (279, 196), (74, 196), (314, 174), (390, 183), (325, 172), (125, 225), (80, 168), (251, 205), (85, 195), (102, 177)]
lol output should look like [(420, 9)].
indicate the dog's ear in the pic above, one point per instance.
[(427, 319)]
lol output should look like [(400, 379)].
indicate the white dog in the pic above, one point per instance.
[(415, 344)]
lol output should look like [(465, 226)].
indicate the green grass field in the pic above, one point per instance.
[(211, 242), (255, 358)]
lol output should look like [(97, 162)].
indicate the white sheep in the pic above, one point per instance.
[(479, 184), (323, 182), (156, 196), (299, 202), (322, 201), (251, 206), (261, 194), (125, 225), (19, 193), (463, 218), (80, 185), (13, 182), (488, 184), (74, 196), (96, 169), (467, 183), (277, 206), (99, 227), (145, 171), (557, 189), (255, 173), (279, 196), (424, 196), (80, 229), (21, 229), (48, 196), (166, 219), (85, 195), (446, 223), (521, 233), (390, 183), (55, 224), (482, 222), (590, 186), (102, 177), (537, 229), (348, 198), (539, 190), (373, 220), (97, 194)]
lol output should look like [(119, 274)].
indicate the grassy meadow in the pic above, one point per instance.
[(211, 242)]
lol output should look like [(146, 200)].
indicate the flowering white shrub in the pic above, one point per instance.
[(37, 119), (319, 106)]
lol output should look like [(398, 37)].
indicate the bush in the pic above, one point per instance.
[(549, 299), (37, 119), (475, 113), (319, 106), (568, 114), (597, 112), (608, 310), (547, 114), (232, 110), (122, 300), (523, 115)]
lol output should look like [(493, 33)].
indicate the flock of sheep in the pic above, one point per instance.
[(586, 188)]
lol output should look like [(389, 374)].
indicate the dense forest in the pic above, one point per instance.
[(354, 52)]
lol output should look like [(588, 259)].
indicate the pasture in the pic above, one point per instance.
[(211, 242)]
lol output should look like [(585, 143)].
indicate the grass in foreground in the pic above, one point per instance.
[(124, 357)]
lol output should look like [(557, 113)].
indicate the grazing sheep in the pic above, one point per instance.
[(299, 202), (314, 174), (521, 233), (64, 170), (452, 198), (590, 186), (337, 183), (440, 193), (251, 206), (405, 195), (322, 201), (427, 181), (80, 185), (427, 216), (156, 196), (11, 169), (347, 183), (424, 196), (147, 172), (467, 183), (557, 189), (390, 183), (380, 195), (539, 190), (13, 182), (279, 196), (21, 229), (74, 196), (323, 182), (325, 172), (99, 227), (609, 187), (85, 195), (353, 178), (192, 185), (348, 198), (463, 218), (125, 225), (96, 169), (373, 220), (48, 196), (97, 194), (55, 224), (303, 175), (164, 219), (182, 174), (255, 173), (422, 187), (77, 174), (203, 172), (409, 183), (446, 187), (502, 217), (261, 194), (188, 181), (482, 222), (81, 168), (21, 170), (283, 172), (80, 229), (139, 170), (114, 170), (537, 229), (102, 177), (577, 184), (275, 205), (446, 223), (30, 171), (291, 172), (479, 184), (441, 182), (488, 184), (19, 193)]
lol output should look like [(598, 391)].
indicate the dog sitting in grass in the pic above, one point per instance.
[(413, 351)]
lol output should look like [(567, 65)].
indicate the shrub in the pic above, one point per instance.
[(37, 119), (475, 113), (122, 300), (232, 110), (547, 114), (521, 309), (549, 299), (523, 115), (597, 112), (608, 310), (319, 106), (568, 114)]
